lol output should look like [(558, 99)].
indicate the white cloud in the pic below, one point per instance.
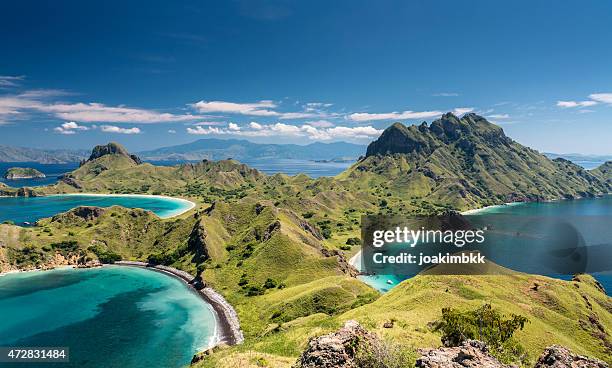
[(264, 108), (602, 97), (116, 129), (287, 130), (498, 116), (171, 131), (260, 108), (69, 128), (233, 127), (363, 116), (37, 101), (569, 104), (10, 80), (462, 110), (206, 123), (320, 123), (199, 130), (446, 94), (96, 112)]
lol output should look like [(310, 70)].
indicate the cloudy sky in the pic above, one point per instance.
[(158, 73)]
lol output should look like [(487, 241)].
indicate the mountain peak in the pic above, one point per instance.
[(448, 129), (112, 148)]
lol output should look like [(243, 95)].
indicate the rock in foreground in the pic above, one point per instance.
[(471, 353), (337, 349), (560, 357)]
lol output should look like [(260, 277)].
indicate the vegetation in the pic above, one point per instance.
[(487, 325), (276, 246), (22, 173)]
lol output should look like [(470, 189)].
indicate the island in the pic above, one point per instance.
[(15, 173)]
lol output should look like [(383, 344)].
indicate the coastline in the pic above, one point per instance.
[(227, 328), (189, 205), (486, 208)]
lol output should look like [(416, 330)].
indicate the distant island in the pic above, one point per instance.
[(15, 173)]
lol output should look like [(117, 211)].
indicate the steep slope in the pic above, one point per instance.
[(111, 168), (604, 172), (466, 162), (575, 314)]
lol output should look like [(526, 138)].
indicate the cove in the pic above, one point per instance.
[(587, 219), (31, 209), (113, 316)]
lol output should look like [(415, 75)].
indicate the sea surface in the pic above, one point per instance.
[(52, 172), (587, 222), (269, 166), (108, 317), (31, 209)]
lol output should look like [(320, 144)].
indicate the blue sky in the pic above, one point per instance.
[(158, 73)]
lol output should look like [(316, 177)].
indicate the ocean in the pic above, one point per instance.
[(114, 316)]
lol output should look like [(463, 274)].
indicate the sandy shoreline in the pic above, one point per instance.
[(227, 329), (189, 205), (483, 209)]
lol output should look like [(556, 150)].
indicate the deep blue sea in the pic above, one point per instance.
[(31, 209), (52, 171), (273, 166), (558, 224), (113, 316)]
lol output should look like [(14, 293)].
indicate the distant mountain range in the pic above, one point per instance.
[(219, 149), (55, 156), (241, 150), (210, 149)]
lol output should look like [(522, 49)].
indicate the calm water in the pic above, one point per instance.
[(285, 166), (108, 317), (20, 210), (589, 219), (52, 171)]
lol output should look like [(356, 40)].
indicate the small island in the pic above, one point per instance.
[(15, 173)]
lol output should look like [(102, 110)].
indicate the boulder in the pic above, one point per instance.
[(560, 357), (471, 353), (337, 349)]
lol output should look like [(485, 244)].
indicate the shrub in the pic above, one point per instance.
[(487, 325), (269, 284), (383, 354), (353, 241)]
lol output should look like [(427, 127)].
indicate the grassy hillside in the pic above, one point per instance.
[(276, 246), (571, 313), (468, 162)]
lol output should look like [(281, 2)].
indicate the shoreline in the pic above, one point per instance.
[(189, 204), (227, 327), (486, 208)]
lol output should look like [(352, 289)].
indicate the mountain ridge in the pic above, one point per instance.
[(241, 149)]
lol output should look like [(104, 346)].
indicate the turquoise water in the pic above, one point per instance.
[(20, 210), (590, 218), (108, 317)]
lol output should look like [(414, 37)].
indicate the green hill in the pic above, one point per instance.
[(277, 246), (468, 162), (576, 314)]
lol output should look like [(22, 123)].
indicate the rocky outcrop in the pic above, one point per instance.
[(6, 191), (471, 353), (560, 357), (111, 148), (197, 243), (86, 213), (337, 349)]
